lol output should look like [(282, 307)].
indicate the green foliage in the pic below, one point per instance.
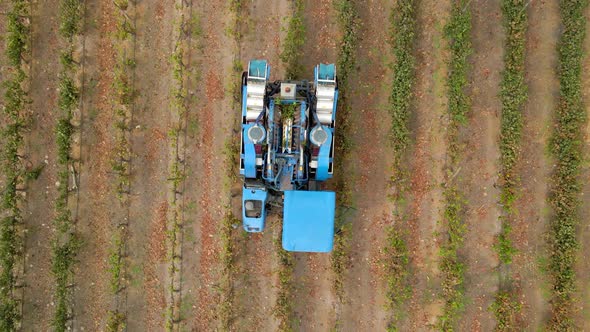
[(116, 321), (122, 4), (403, 22), (122, 85), (64, 256), (66, 243), (284, 304), (68, 94), (64, 138), (451, 266), (566, 148), (15, 100), (116, 261), (9, 244), (458, 34), (397, 268), (66, 59), (227, 264), (404, 25), (70, 15), (125, 29), (514, 95), (349, 22), (18, 34), (340, 258), (288, 110), (505, 309), (293, 44)]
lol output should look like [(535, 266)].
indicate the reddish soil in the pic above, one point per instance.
[(535, 166), (256, 265), (97, 198), (149, 167), (425, 197), (38, 306), (314, 307), (207, 196), (206, 163), (480, 167)]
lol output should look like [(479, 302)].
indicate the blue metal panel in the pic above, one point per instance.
[(258, 68), (308, 221), (249, 153), (252, 224), (244, 99), (324, 159), (335, 104), (326, 71)]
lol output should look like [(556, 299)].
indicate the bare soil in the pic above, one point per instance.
[(256, 263), (314, 307), (98, 205), (149, 167), (425, 197), (206, 161), (38, 303), (369, 89), (210, 124), (480, 167), (535, 166)]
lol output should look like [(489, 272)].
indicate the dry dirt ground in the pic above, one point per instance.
[(314, 307), (98, 206), (532, 210), (150, 151), (425, 199), (206, 161), (369, 89), (38, 296), (210, 125), (256, 264), (480, 166)]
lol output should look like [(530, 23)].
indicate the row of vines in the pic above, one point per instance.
[(13, 172), (176, 173), (290, 55), (66, 242), (121, 161), (403, 21), (349, 24), (458, 34), (514, 96), (566, 148), (231, 152)]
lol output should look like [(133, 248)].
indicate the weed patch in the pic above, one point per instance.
[(566, 148), (66, 243), (403, 22), (293, 44), (13, 172), (348, 22), (458, 34)]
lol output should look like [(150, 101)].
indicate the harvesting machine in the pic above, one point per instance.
[(287, 148)]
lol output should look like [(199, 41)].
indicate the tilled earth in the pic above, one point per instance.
[(208, 194)]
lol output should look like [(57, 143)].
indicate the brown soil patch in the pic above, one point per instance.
[(535, 165), (480, 167), (425, 196), (38, 306)]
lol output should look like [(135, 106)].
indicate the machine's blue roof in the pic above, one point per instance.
[(308, 221)]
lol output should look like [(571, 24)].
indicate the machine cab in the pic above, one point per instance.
[(254, 199)]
